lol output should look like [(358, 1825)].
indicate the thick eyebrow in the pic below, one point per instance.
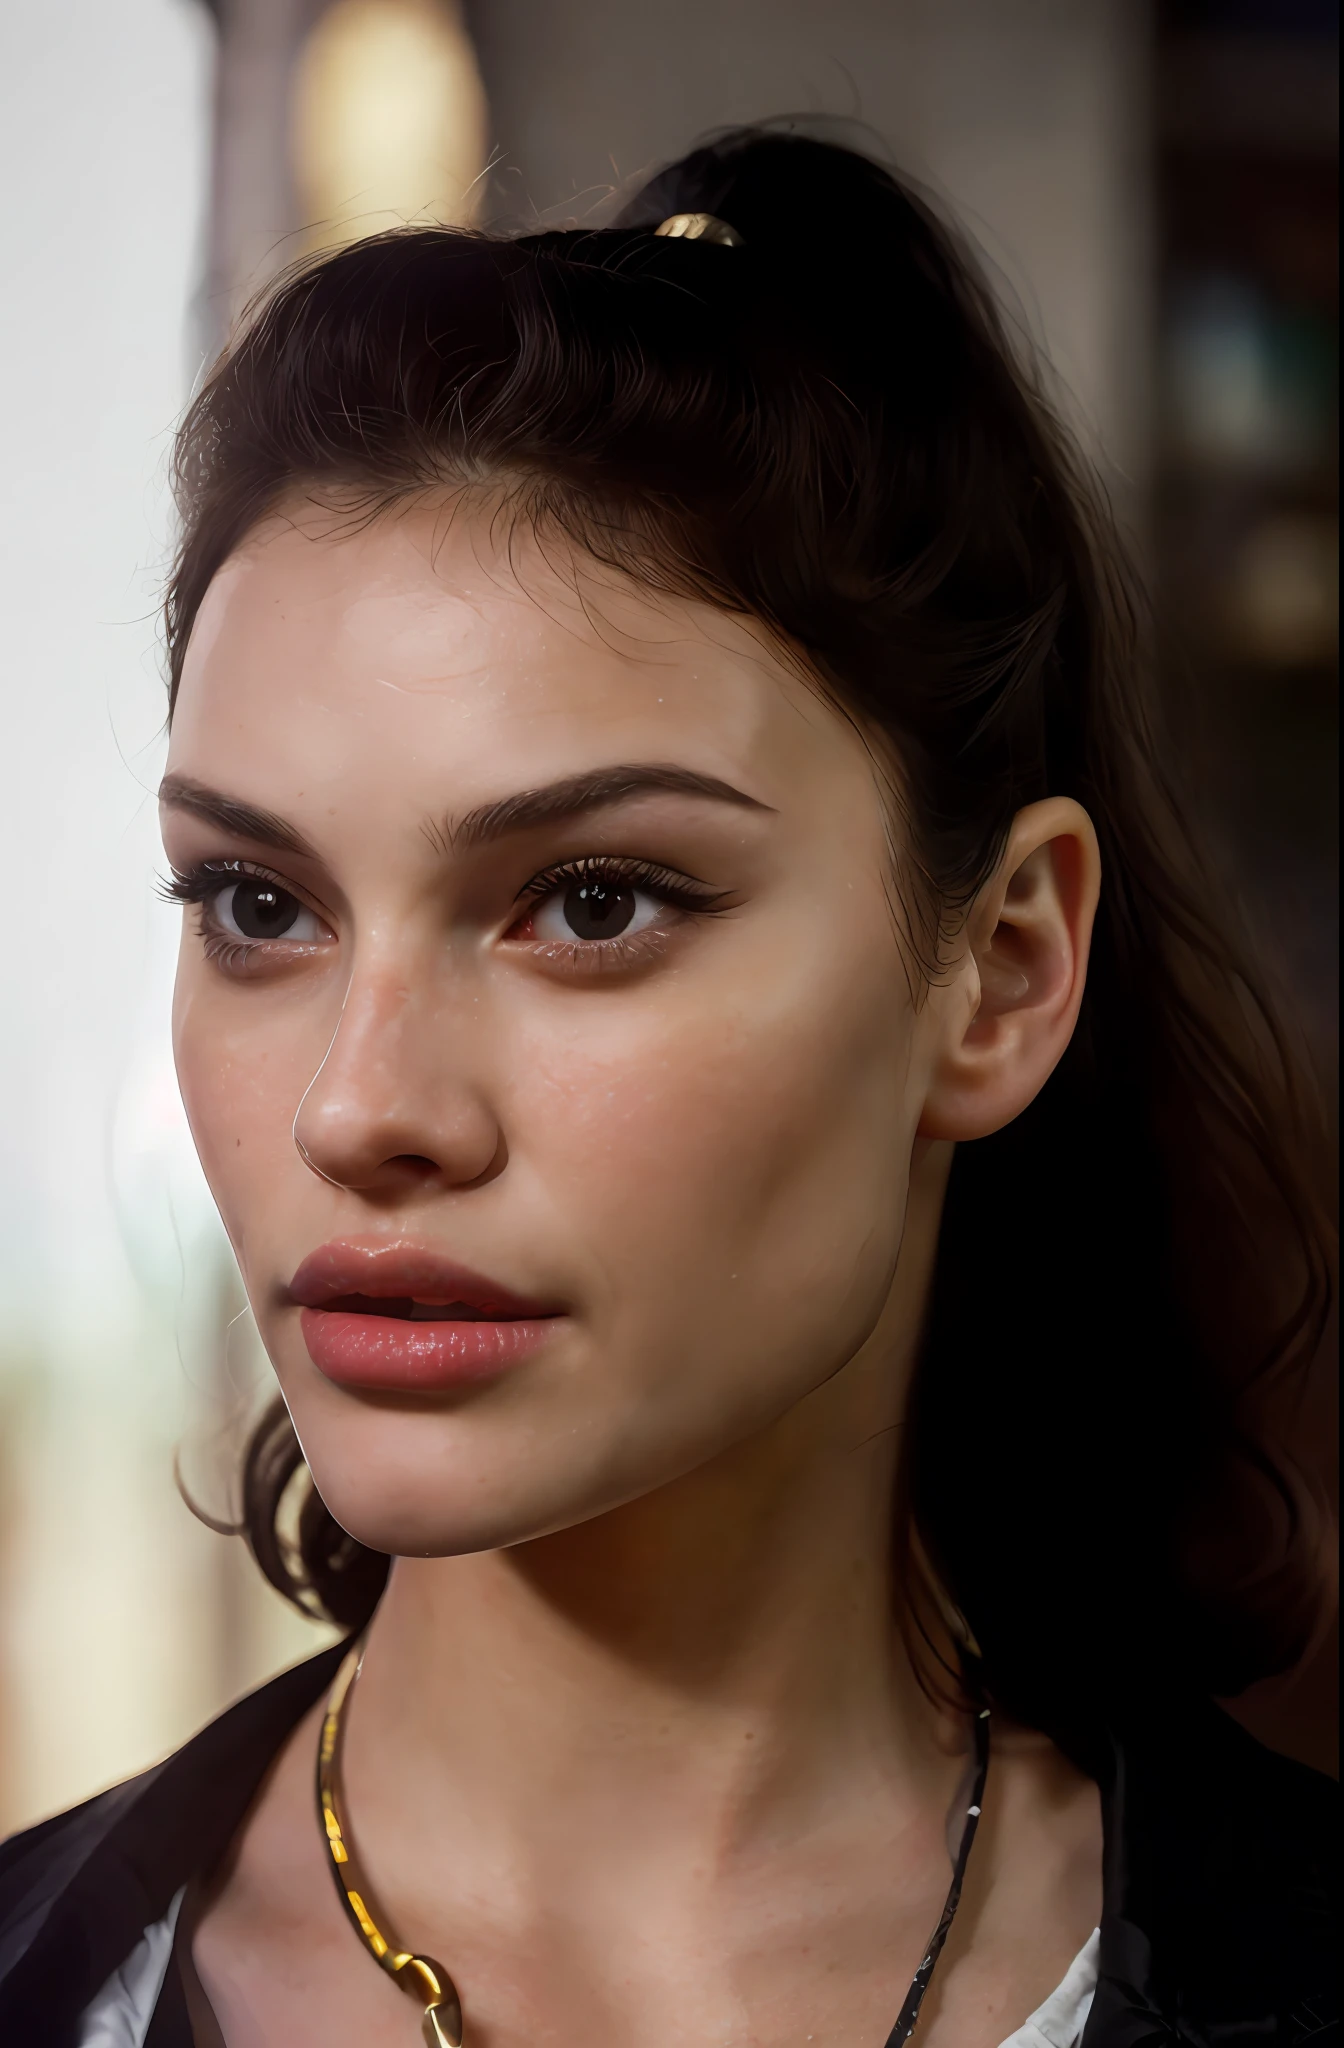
[(574, 795), (595, 790), (230, 814)]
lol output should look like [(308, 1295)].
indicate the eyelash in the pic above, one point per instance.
[(681, 893), (679, 890), (204, 881), (200, 884)]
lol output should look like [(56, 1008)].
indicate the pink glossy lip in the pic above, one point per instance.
[(400, 1317)]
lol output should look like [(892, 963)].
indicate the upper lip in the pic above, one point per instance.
[(401, 1272)]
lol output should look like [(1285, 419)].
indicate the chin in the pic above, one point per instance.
[(420, 1528), (400, 1483), (424, 1500), (419, 1482)]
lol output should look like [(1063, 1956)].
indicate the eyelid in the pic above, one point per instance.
[(202, 879), (672, 884)]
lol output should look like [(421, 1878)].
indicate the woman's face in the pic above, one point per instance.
[(544, 1029)]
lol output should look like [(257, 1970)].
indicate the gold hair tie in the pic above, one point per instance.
[(700, 227)]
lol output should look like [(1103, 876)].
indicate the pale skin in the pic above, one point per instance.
[(637, 1751)]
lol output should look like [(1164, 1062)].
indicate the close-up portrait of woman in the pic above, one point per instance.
[(779, 1202)]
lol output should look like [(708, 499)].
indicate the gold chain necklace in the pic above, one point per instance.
[(421, 1976)]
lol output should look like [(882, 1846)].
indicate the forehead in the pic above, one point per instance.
[(440, 645)]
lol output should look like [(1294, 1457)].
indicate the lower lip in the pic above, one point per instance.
[(390, 1353)]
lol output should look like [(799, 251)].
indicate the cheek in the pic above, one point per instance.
[(241, 1087), (755, 1152)]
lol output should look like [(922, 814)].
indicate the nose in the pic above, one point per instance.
[(393, 1107)]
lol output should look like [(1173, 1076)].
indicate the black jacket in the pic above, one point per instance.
[(1218, 1927)]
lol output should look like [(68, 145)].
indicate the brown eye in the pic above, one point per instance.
[(257, 909), (598, 910), (592, 909)]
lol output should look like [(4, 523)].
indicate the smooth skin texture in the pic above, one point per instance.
[(636, 1750)]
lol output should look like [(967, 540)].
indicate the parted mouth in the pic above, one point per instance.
[(407, 1309), (409, 1283)]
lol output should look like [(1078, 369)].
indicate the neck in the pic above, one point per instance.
[(695, 1662)]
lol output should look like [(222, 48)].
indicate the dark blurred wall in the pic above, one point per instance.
[(1246, 472), (1245, 524), (1029, 117)]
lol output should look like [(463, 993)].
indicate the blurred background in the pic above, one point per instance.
[(1154, 190)]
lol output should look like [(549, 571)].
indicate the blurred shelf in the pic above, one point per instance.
[(1248, 93), (1246, 477)]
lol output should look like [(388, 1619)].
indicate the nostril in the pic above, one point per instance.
[(367, 1158)]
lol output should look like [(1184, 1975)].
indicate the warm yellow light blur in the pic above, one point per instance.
[(389, 122)]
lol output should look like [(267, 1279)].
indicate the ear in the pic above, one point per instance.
[(1013, 1000)]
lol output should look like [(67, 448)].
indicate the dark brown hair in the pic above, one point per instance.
[(828, 428)]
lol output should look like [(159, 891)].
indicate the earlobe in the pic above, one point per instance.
[(1015, 1002)]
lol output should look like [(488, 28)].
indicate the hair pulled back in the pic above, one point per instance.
[(828, 429)]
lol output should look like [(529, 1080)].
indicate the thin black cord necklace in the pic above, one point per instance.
[(914, 1998), (428, 1981)]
